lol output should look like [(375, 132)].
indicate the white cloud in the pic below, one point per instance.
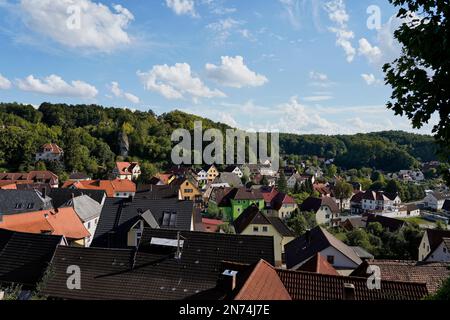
[(119, 93), (234, 73), (224, 28), (100, 28), (4, 83), (317, 76), (370, 79), (182, 7), (292, 9), (337, 13), (318, 98), (176, 82), (372, 53), (55, 85)]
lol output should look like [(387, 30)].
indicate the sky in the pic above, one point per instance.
[(298, 66)]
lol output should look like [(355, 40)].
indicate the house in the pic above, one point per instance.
[(59, 222), (161, 179), (61, 196), (88, 210), (314, 286), (158, 191), (8, 185), (201, 176), (126, 170), (431, 273), (296, 178), (231, 202), (278, 204), (435, 200), (19, 201), (387, 223), (441, 253), (24, 257), (235, 170), (189, 190), (353, 223), (356, 203), (326, 210), (212, 172), (79, 176), (211, 225), (49, 152), (431, 239), (231, 179), (342, 257), (45, 177), (253, 222), (380, 201), (123, 220), (323, 189), (166, 265), (267, 170), (316, 172), (414, 175), (113, 188)]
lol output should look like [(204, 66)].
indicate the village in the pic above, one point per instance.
[(240, 232)]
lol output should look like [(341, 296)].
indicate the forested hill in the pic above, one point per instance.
[(89, 136)]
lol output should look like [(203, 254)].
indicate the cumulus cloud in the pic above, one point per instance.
[(372, 53), (317, 76), (79, 23), (182, 7), (338, 15), (4, 83), (56, 86), (370, 79), (119, 93), (176, 82), (234, 73), (223, 29)]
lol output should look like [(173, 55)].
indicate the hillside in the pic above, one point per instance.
[(89, 136)]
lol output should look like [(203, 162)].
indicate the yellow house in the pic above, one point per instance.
[(253, 222), (189, 191), (213, 173)]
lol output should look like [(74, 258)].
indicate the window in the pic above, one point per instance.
[(330, 259), (18, 206), (30, 205), (265, 229), (445, 250), (89, 225), (255, 229), (169, 219)]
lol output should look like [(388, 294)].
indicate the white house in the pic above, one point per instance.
[(49, 152), (431, 240), (380, 201), (441, 253), (235, 170), (202, 176), (127, 170), (326, 210), (415, 175), (435, 200), (297, 178)]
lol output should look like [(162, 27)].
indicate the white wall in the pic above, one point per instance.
[(441, 254)]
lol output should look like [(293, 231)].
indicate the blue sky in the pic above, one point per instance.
[(301, 66)]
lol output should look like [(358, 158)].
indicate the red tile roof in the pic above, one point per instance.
[(125, 167), (32, 176), (52, 147), (62, 222), (318, 264), (109, 186), (211, 225), (263, 284)]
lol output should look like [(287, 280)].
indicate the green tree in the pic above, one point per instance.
[(282, 183), (420, 76), (343, 190), (443, 292)]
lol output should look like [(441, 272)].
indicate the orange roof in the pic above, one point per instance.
[(62, 222), (164, 177), (318, 264), (4, 185), (109, 186), (52, 147), (125, 167), (263, 284)]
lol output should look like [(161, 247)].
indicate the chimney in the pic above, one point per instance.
[(227, 280), (349, 291)]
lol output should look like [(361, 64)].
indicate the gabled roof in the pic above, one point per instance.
[(230, 178), (18, 201), (85, 207), (109, 186), (357, 197), (313, 204), (313, 286), (24, 257), (378, 195), (435, 237), (63, 222), (158, 192), (303, 248), (439, 195), (230, 169), (318, 264), (153, 272), (119, 215), (52, 147), (126, 168), (431, 273), (391, 224), (263, 284), (275, 198), (32, 176), (61, 196)]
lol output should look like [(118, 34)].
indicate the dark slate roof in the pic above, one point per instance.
[(446, 205), (152, 272), (150, 191), (431, 273), (61, 196), (228, 177), (435, 237), (318, 239), (28, 200), (119, 215), (362, 253), (313, 204), (24, 257), (313, 286), (281, 227), (391, 224)]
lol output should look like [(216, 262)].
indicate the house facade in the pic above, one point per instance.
[(435, 200), (49, 152), (431, 239), (326, 210), (379, 201), (189, 191), (126, 170), (213, 173)]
